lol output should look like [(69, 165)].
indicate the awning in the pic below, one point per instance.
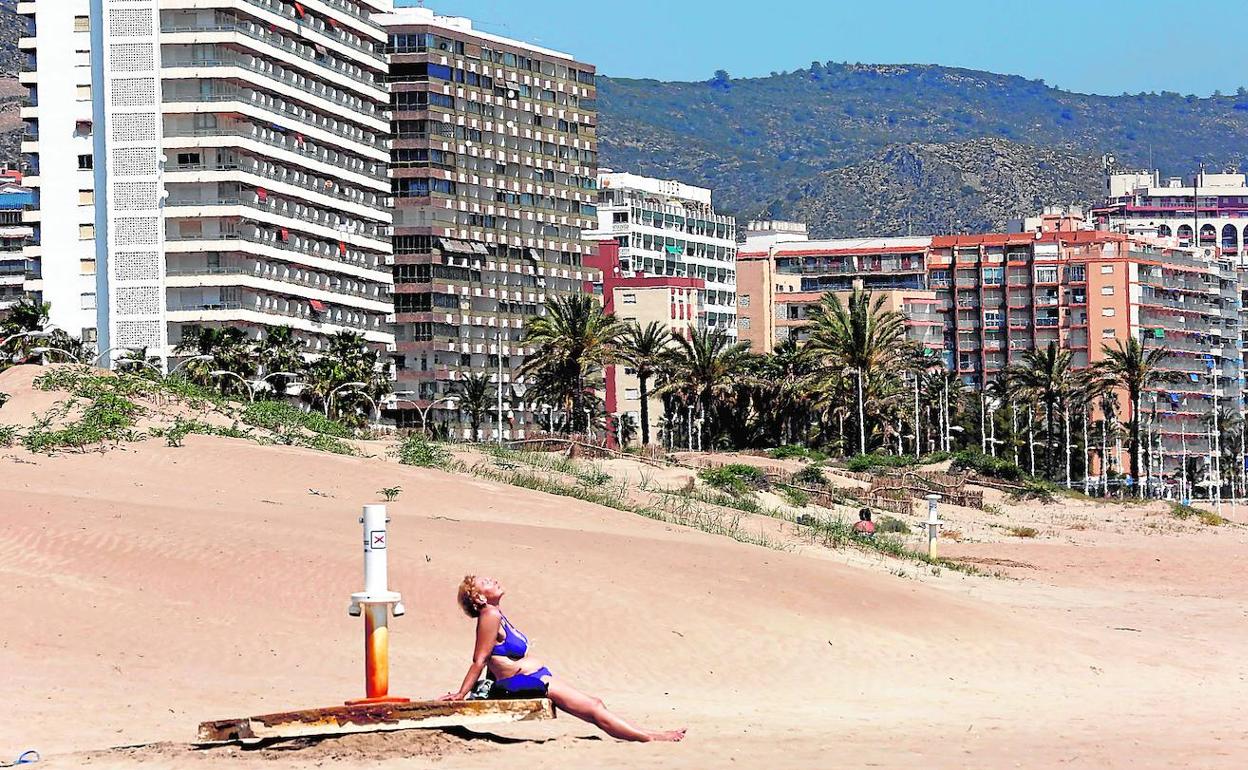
[(299, 9), (317, 306), (533, 255), (459, 247), (481, 249)]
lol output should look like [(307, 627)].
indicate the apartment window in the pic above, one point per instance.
[(1107, 291), (619, 216), (82, 23), (994, 276), (88, 301), (84, 93), (1108, 334), (1108, 312), (1107, 269), (89, 336), (632, 394), (744, 299), (86, 197), (188, 159), (1046, 275), (628, 299), (743, 322), (86, 266), (86, 162), (86, 232), (992, 319)]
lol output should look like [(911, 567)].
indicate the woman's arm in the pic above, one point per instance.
[(487, 636)]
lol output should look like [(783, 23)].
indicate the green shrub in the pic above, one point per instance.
[(8, 434), (420, 451), (796, 451), (984, 465), (280, 416), (178, 431), (735, 478), (891, 524), (1026, 532), (795, 497), (4, 398), (810, 475)]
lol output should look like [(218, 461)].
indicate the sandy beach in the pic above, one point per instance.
[(148, 588)]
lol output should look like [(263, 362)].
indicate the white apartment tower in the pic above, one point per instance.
[(224, 163), (665, 227)]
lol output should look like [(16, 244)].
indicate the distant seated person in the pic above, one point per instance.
[(864, 527)]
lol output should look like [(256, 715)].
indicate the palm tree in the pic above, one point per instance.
[(227, 349), (572, 343), (1045, 376), (281, 351), (1132, 368), (705, 369), (645, 351), (25, 315), (475, 397), (859, 336), (348, 358)]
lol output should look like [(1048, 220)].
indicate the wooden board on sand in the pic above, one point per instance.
[(340, 720)]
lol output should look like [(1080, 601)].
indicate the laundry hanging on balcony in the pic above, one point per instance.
[(283, 235), (317, 306), (262, 194), (342, 248), (299, 10)]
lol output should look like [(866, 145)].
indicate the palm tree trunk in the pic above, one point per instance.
[(645, 408), (1104, 453)]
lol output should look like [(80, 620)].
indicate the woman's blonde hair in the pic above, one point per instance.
[(470, 599)]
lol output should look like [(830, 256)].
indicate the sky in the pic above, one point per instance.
[(1092, 46)]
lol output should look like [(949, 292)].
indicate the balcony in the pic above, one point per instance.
[(284, 274), (370, 171), (370, 86), (295, 245), (317, 95), (299, 217), (263, 308), (220, 93), (369, 49), (366, 204)]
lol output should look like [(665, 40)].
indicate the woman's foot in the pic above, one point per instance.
[(669, 735)]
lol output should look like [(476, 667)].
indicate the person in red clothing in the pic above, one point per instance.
[(864, 527)]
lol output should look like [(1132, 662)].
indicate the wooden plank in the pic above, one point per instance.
[(340, 720)]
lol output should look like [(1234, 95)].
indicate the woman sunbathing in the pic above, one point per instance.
[(505, 652)]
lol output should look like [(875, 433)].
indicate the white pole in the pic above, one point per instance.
[(918, 450), (933, 524)]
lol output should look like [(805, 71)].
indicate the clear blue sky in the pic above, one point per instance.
[(1092, 46)]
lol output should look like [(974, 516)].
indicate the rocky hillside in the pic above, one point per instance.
[(773, 145), (970, 186)]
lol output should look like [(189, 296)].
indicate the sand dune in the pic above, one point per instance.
[(148, 588)]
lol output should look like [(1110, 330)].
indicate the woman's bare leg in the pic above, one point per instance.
[(592, 710)]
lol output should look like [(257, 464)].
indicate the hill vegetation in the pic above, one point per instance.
[(767, 145)]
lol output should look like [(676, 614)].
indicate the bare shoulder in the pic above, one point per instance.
[(491, 613)]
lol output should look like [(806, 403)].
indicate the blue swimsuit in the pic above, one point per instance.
[(515, 646)]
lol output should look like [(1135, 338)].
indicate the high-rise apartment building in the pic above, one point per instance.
[(212, 163), (781, 281), (495, 179), (986, 300), (1211, 206), (666, 228), (15, 234)]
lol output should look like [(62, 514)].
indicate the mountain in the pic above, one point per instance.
[(794, 143), (974, 186)]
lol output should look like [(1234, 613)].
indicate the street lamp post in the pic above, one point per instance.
[(329, 399), (292, 375), (251, 396), (96, 361), (185, 361), (36, 334), (424, 412), (42, 351)]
